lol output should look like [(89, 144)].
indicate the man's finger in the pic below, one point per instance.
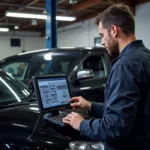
[(74, 113), (74, 105), (66, 121), (74, 99), (69, 116), (70, 100)]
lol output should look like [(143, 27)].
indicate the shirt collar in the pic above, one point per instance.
[(127, 48)]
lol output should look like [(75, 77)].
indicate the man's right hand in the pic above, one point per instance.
[(80, 102)]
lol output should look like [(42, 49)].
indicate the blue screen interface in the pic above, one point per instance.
[(54, 92)]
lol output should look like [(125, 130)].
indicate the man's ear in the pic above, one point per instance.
[(114, 31)]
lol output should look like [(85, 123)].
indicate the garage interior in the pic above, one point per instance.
[(31, 31), (51, 51)]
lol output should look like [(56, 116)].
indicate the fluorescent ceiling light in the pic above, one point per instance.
[(37, 16), (4, 29), (25, 15), (65, 18)]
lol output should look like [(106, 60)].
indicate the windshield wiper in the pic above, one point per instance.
[(18, 104)]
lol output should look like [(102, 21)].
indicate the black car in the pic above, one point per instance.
[(87, 68), (22, 127)]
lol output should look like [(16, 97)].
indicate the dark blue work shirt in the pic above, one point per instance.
[(124, 121)]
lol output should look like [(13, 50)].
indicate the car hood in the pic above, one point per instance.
[(26, 121), (21, 115)]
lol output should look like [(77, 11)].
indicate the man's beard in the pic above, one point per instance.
[(113, 54), (113, 46), (114, 51)]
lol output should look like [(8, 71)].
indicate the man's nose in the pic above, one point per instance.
[(102, 42)]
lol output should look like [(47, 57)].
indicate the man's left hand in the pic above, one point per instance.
[(74, 120)]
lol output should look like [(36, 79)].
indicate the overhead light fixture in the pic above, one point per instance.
[(65, 18), (4, 29), (37, 16), (25, 15), (16, 27)]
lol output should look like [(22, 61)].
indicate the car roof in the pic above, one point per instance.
[(61, 49)]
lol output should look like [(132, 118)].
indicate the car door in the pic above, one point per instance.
[(92, 88)]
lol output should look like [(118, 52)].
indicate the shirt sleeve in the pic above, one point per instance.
[(96, 110), (120, 109)]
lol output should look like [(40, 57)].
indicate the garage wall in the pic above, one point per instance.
[(83, 33), (29, 41), (79, 34), (142, 20)]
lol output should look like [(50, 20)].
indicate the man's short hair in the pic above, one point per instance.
[(119, 15)]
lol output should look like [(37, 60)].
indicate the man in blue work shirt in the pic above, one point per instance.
[(123, 121)]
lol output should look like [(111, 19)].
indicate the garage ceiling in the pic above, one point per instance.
[(81, 9)]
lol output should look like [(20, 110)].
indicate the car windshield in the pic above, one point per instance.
[(53, 63), (11, 90)]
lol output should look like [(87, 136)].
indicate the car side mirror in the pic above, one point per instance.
[(85, 74)]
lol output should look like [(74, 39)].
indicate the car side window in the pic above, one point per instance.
[(16, 69), (95, 63)]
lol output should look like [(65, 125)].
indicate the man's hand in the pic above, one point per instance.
[(74, 120), (80, 102)]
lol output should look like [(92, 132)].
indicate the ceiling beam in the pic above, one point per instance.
[(91, 10), (20, 5), (23, 5), (130, 3), (60, 1), (28, 24), (28, 3), (25, 25), (85, 5), (91, 15)]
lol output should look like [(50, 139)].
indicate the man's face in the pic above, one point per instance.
[(109, 40)]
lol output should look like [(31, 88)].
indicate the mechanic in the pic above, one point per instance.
[(123, 121)]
